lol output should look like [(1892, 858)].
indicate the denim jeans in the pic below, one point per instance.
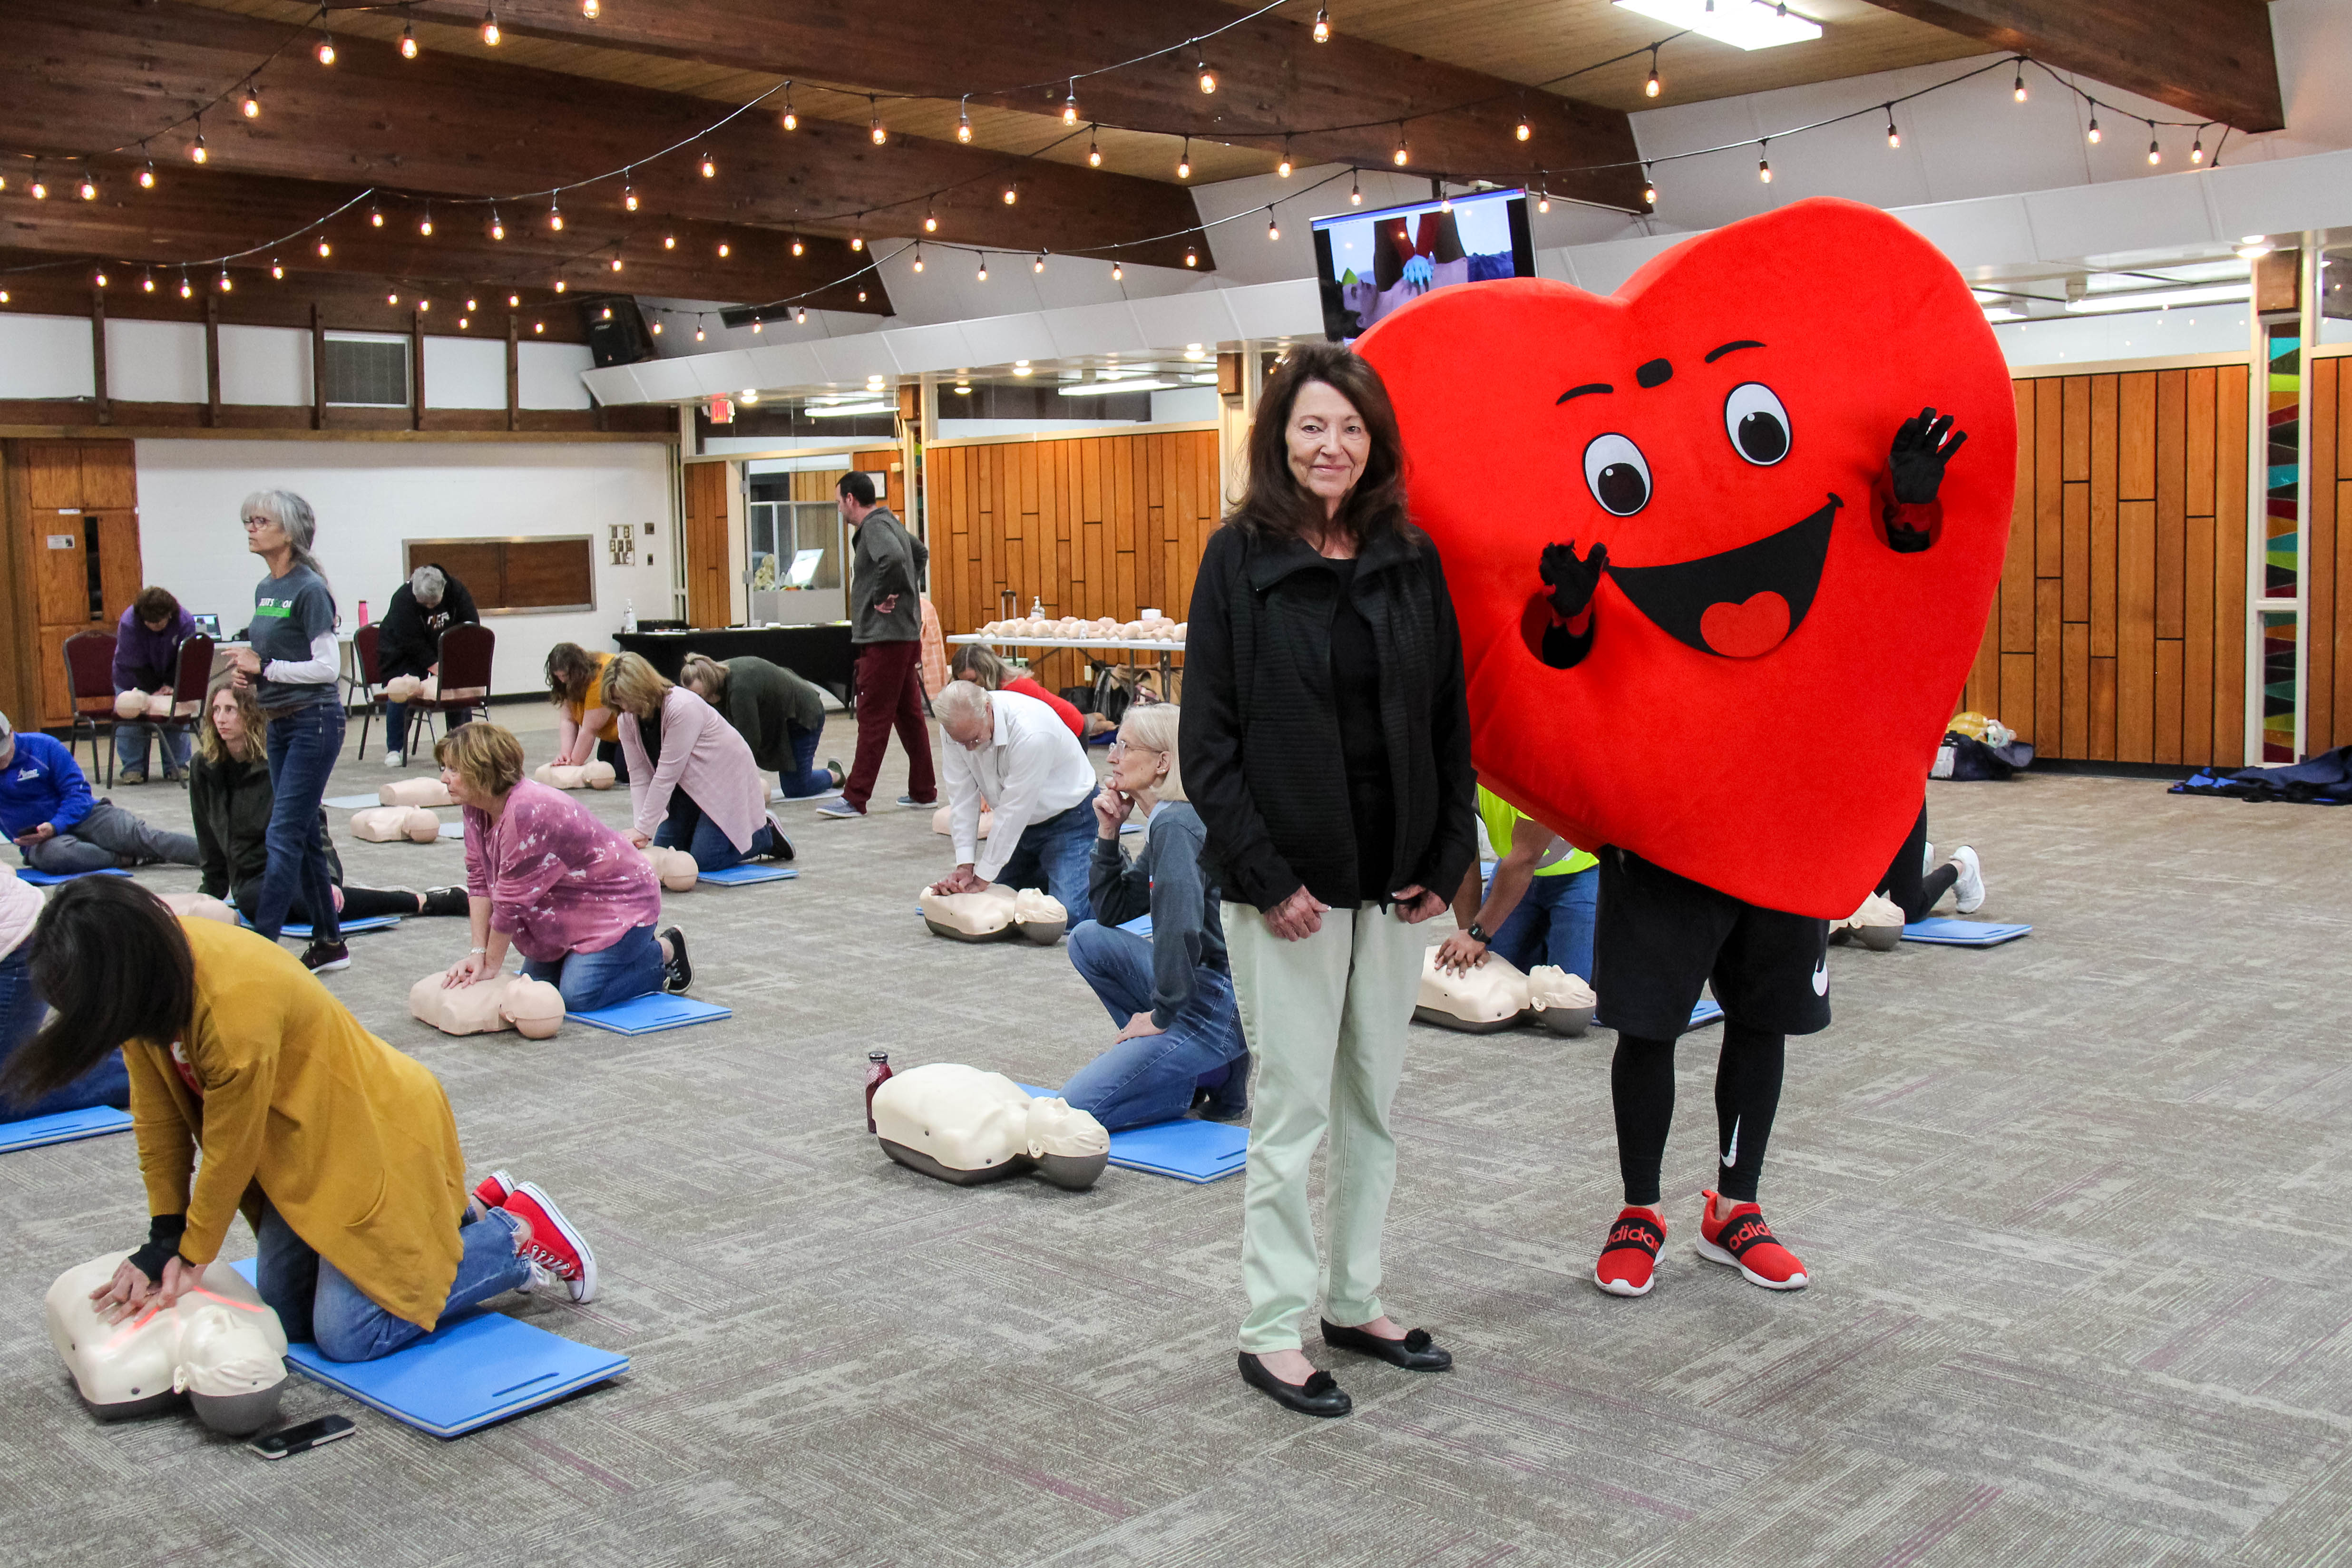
[(1151, 1077), (1052, 854), (109, 837), (304, 743), (21, 1008), (130, 747), (629, 968), (395, 727), (315, 1302), (685, 828), (806, 778), (1553, 924)]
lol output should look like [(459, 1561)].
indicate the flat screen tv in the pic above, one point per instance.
[(1370, 263)]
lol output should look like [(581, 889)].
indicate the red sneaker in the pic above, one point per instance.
[(1630, 1257), (554, 1245), (1740, 1238), (493, 1190)]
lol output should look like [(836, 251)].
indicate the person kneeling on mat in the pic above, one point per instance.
[(1179, 1034), (1014, 756), (46, 807), (780, 716), (302, 1120), (572, 896), (693, 782), (230, 796), (1915, 889), (1539, 906)]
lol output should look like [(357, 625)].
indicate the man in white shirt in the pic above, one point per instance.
[(1015, 756)]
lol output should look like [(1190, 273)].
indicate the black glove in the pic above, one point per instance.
[(1916, 462), (164, 1233), (1572, 581)]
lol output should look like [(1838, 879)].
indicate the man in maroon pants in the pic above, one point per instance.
[(886, 628)]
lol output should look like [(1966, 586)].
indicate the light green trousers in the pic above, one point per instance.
[(1326, 1019)]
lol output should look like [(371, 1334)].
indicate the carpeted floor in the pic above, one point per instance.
[(2072, 1207)]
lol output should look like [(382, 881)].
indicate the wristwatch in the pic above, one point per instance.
[(1477, 932)]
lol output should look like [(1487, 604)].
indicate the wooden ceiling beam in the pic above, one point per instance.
[(195, 213), (90, 74), (2211, 58), (1273, 80)]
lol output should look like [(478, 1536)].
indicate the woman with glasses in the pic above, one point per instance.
[(290, 663)]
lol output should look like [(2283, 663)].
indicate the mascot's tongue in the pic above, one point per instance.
[(1748, 630)]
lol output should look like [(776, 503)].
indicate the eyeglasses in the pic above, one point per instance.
[(260, 522)]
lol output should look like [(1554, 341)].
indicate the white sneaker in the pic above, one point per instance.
[(393, 760), (1969, 891)]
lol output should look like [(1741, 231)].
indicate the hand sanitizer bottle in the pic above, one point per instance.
[(629, 616)]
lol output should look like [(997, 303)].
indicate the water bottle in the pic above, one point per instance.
[(1036, 608), (877, 1072), (363, 614), (629, 616)]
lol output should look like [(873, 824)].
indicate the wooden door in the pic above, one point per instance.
[(709, 599), (75, 523)]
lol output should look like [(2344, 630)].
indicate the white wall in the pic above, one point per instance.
[(262, 365), (547, 375), (466, 373), (45, 357), (155, 361), (370, 495)]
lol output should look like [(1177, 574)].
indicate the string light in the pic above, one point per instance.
[(1652, 88), (1208, 77), (1192, 257), (326, 49), (709, 169), (1272, 231), (197, 152), (325, 250), (2017, 89), (561, 285), (791, 121), (797, 245), (669, 242), (2155, 149), (1649, 188), (98, 278), (538, 326), (757, 324), (2092, 135), (555, 215), (800, 317), (392, 298), (1524, 130), (1184, 161), (1116, 272), (857, 241), (657, 328), (1094, 152), (277, 271), (490, 26), (1012, 193), (514, 301), (147, 175), (471, 307), (1543, 199), (919, 259), (252, 104), (1070, 104), (1282, 168), (963, 119), (628, 193), (40, 189), (186, 292), (1355, 188), (1322, 24), (722, 250), (616, 263), (698, 333), (2197, 147), (1763, 163), (873, 124), (1894, 137), (88, 189), (1404, 155), (1038, 265), (464, 322), (982, 275), (425, 223), (591, 9), (407, 42), (497, 226), (424, 305), (147, 282)]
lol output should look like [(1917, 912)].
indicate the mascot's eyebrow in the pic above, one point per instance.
[(1580, 391), (1714, 354)]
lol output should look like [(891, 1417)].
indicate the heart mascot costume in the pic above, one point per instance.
[(1696, 530)]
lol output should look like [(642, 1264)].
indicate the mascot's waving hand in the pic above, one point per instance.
[(1721, 566)]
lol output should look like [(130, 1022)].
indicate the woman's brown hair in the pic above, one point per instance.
[(1273, 504), (981, 666), (569, 668), (705, 676), (634, 687), (113, 962), (209, 744), (486, 757)]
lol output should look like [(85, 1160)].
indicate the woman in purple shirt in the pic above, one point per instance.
[(147, 659), (542, 875)]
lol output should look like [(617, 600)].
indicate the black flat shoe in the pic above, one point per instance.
[(1414, 1353), (1319, 1395), (677, 974)]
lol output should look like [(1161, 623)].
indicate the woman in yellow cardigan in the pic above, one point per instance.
[(340, 1150)]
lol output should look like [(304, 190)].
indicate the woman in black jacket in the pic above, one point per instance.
[(408, 639), (229, 794), (1326, 742)]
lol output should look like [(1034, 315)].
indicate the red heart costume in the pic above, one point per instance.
[(1721, 424)]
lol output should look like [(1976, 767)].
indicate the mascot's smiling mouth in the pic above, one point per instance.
[(1739, 603)]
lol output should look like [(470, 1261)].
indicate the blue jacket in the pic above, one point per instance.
[(42, 783)]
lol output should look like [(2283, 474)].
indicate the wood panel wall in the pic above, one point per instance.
[(66, 500), (1092, 524), (2327, 706), (2119, 631), (710, 564)]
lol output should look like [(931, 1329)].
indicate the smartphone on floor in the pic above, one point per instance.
[(298, 1439)]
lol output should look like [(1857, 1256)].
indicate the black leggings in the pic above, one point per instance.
[(1747, 1096), (1917, 891), (358, 904)]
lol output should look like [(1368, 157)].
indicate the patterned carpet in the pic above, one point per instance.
[(2070, 1203)]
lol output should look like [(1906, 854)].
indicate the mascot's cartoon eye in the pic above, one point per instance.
[(1618, 475), (1758, 424)]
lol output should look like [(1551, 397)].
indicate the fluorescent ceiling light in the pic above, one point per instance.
[(846, 410), (2002, 313), (1742, 24), (1093, 389), (2160, 299)]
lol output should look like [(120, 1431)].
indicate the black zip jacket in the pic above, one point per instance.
[(1260, 730), (231, 801), (409, 641)]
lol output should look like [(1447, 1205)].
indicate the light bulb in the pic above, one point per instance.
[(857, 242), (2092, 135), (1764, 170), (1039, 264), (874, 122), (1116, 272), (1070, 106), (983, 273), (392, 298), (196, 154), (490, 26), (40, 189), (1651, 88), (497, 226), (252, 104), (722, 250), (88, 189), (2017, 90), (698, 333), (1094, 152), (1282, 168), (1355, 190), (963, 120), (669, 242), (425, 223), (514, 301), (1403, 155), (629, 197), (407, 44), (538, 326), (276, 270), (375, 217), (325, 249), (1649, 191), (616, 263), (796, 245), (1272, 231), (561, 285), (1192, 257), (657, 328), (1184, 161), (554, 216), (1012, 194), (1322, 24), (427, 305), (1524, 130), (709, 169), (2196, 149), (1894, 137), (1207, 77), (224, 284), (464, 322), (800, 317), (98, 278), (919, 259), (591, 9), (147, 284), (326, 50), (186, 292), (147, 175), (1543, 201), (471, 307), (791, 121), (2155, 152)]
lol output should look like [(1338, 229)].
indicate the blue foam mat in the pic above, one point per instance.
[(65, 1127), (651, 1014), (51, 878), (1962, 933), (1185, 1149), (737, 875), (473, 1370), (1141, 925), (373, 923), (350, 802)]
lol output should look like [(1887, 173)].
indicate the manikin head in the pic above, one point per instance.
[(854, 493), (966, 715)]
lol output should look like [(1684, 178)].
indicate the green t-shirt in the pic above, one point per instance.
[(1503, 820)]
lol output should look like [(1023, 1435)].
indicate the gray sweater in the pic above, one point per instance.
[(886, 559), (1166, 881)]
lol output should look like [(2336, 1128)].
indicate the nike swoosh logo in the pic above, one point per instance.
[(1731, 1153), (1821, 978)]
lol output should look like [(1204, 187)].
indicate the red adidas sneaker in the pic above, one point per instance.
[(1629, 1259), (554, 1245), (493, 1190), (1737, 1237)]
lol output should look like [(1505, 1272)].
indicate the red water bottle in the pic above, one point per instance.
[(877, 1072), (363, 614)]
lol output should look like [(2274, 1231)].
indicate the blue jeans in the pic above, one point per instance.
[(1151, 1077), (629, 968), (395, 727), (685, 828), (315, 1302), (130, 747), (1052, 854), (21, 1008), (304, 743), (806, 778), (1553, 924)]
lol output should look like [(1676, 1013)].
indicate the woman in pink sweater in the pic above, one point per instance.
[(692, 779), (542, 875)]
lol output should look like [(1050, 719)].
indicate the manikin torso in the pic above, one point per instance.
[(219, 1344), (968, 1122)]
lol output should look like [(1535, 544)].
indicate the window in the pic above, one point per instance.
[(366, 372), (517, 576)]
